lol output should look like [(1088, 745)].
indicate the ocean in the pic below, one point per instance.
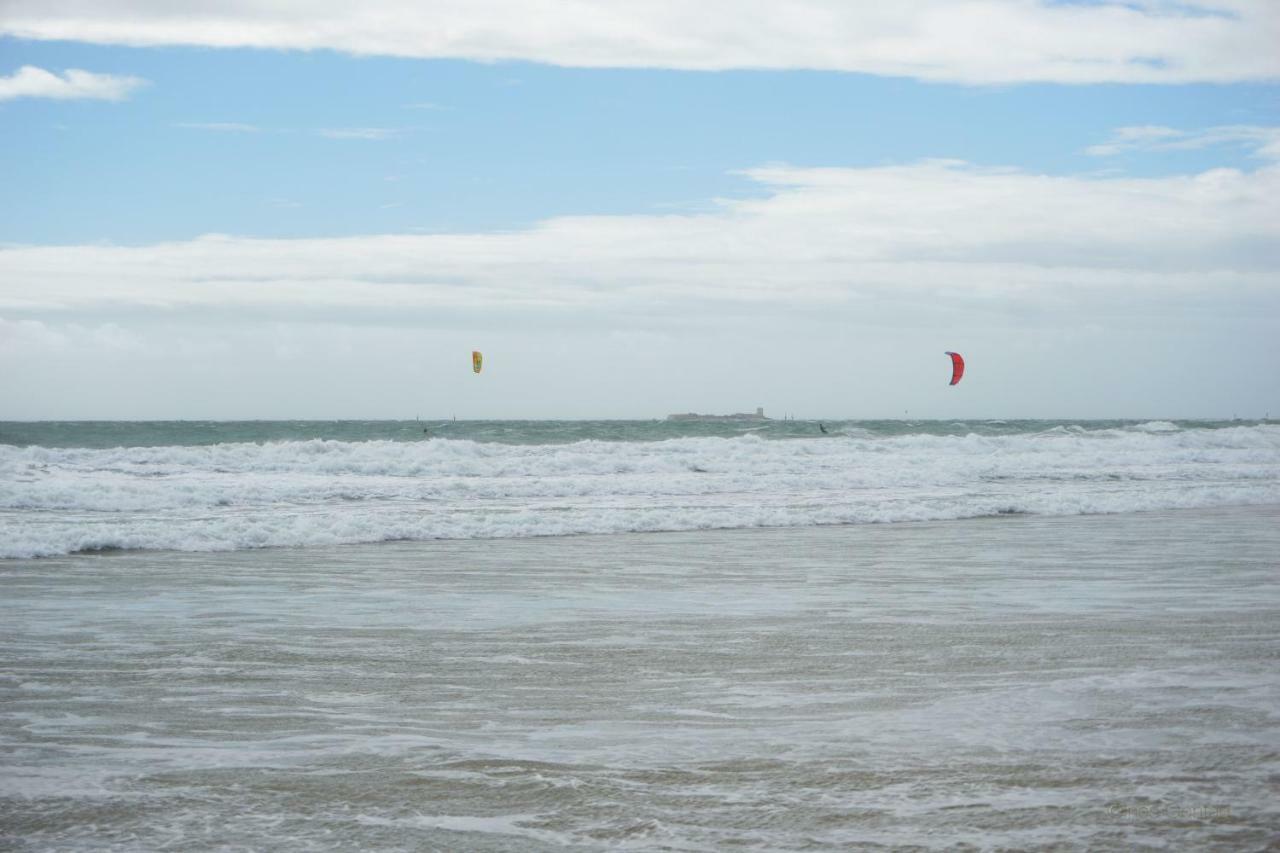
[(639, 635), (211, 486)]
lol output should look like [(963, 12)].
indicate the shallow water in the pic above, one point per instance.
[(1099, 681)]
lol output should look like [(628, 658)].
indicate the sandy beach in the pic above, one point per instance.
[(1105, 681)]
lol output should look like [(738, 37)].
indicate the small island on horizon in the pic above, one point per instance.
[(758, 415)]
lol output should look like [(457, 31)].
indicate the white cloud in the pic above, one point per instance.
[(944, 230), (220, 126), (374, 133), (1264, 141), (25, 337), (834, 293), (73, 84), (1139, 136), (968, 41)]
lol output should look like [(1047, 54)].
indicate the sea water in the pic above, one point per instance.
[(208, 486), (1102, 682), (1063, 635)]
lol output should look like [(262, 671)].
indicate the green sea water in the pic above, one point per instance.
[(106, 434)]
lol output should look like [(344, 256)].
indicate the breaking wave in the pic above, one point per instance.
[(318, 492)]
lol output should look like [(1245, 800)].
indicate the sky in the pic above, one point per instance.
[(227, 210)]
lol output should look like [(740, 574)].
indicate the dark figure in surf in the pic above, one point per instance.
[(823, 428)]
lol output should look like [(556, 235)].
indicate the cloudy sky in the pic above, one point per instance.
[(274, 210)]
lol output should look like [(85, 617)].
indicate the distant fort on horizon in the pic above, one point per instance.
[(740, 416)]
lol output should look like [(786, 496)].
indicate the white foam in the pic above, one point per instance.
[(1156, 426), (518, 825), (233, 496)]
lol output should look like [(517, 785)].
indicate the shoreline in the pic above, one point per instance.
[(1266, 509)]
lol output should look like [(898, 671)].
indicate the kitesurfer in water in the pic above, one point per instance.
[(822, 427)]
